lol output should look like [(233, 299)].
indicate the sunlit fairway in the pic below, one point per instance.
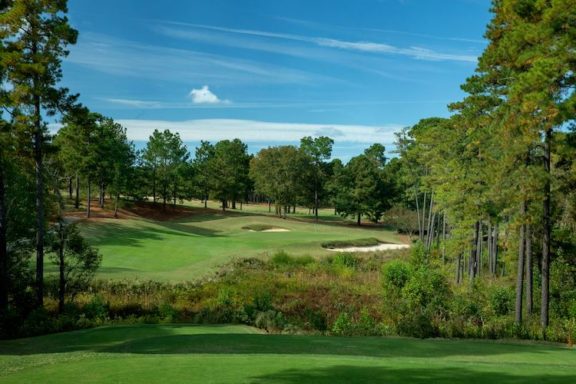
[(236, 354), (190, 247)]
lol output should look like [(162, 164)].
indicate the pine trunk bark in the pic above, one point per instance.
[(418, 218), (77, 200), (474, 253), (495, 250), (116, 205), (315, 203), (520, 272), (62, 279), (547, 222), (39, 170), (423, 218), (70, 188), (529, 272), (479, 249), (102, 192), (88, 204), (3, 245), (444, 238)]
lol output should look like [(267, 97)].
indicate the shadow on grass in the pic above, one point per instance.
[(165, 340), (355, 374), (122, 235)]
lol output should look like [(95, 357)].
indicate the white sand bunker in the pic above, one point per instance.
[(372, 248), (271, 230)]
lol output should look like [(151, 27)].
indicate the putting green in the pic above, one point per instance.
[(237, 354), (188, 248)]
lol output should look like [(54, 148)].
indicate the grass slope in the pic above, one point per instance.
[(237, 354), (190, 247)]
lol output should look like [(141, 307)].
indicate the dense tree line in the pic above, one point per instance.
[(498, 175)]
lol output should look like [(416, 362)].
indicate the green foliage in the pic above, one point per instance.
[(345, 260), (368, 242), (502, 301), (166, 157), (283, 259)]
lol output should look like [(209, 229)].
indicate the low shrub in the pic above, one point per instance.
[(368, 242)]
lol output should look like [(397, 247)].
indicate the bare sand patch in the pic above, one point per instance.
[(372, 248)]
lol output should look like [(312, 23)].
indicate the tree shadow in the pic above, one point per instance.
[(321, 345), (363, 374)]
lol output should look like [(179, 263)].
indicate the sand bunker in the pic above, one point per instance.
[(271, 230), (373, 248)]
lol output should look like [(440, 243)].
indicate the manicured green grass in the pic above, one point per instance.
[(188, 248), (236, 354)]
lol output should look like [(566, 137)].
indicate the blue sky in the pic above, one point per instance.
[(270, 72)]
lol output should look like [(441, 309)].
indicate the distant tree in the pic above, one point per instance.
[(204, 155), (318, 150), (167, 157), (361, 186), (276, 173), (229, 171)]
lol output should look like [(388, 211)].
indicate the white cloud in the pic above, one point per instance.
[(414, 52), (116, 56), (359, 46), (259, 131), (205, 96)]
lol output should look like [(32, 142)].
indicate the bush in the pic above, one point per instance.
[(346, 260), (343, 325), (271, 321), (502, 301), (368, 242), (283, 259)]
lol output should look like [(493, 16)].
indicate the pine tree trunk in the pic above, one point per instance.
[(547, 222), (116, 205), (62, 279), (315, 203), (70, 187), (423, 219), (154, 185), (495, 250), (489, 247), (3, 245), (520, 272), (474, 252), (39, 170), (359, 220), (479, 248), (529, 272), (444, 238), (418, 218), (459, 269), (430, 223), (102, 197), (88, 205), (77, 201)]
